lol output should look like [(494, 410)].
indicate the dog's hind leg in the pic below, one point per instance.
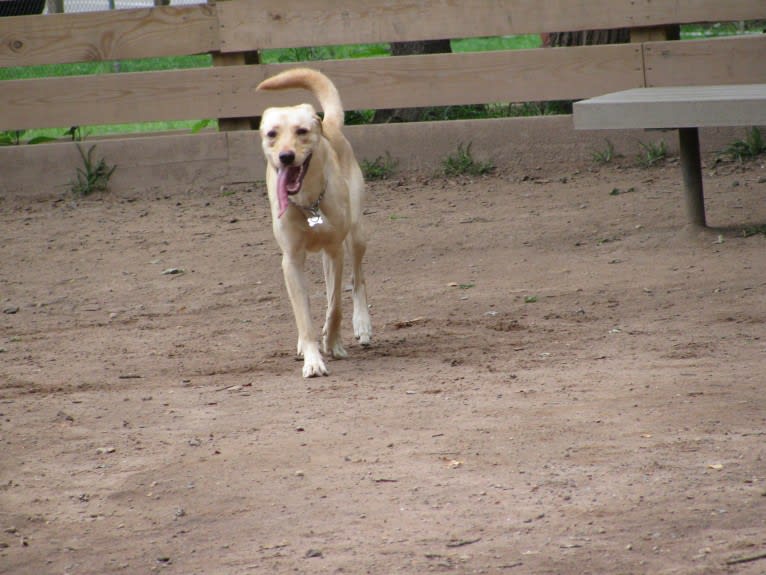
[(308, 345), (356, 245), (333, 275)]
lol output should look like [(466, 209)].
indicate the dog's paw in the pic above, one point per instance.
[(332, 345), (314, 369), (363, 332), (336, 350), (313, 365)]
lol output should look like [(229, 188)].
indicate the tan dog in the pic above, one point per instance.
[(315, 190)]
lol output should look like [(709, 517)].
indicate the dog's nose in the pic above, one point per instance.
[(287, 158)]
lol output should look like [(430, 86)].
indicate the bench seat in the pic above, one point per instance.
[(685, 108)]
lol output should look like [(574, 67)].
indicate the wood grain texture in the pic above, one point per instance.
[(259, 24), (229, 91), (207, 160), (701, 62), (116, 35), (674, 107), (243, 25)]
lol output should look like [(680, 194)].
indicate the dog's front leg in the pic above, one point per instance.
[(332, 260), (361, 319), (308, 345)]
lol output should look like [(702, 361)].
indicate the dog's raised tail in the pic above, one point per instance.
[(316, 83)]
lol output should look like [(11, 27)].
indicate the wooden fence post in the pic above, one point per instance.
[(237, 59), (655, 34), (55, 6)]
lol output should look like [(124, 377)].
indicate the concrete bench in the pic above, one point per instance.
[(686, 108)]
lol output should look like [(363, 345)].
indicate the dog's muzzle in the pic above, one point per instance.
[(289, 178)]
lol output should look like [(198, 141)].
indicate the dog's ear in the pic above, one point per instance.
[(318, 120)]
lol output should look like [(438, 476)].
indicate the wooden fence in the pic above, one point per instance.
[(235, 30), (229, 29)]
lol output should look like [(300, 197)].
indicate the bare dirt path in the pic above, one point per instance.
[(563, 380)]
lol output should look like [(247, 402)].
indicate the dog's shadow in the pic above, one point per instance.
[(452, 341)]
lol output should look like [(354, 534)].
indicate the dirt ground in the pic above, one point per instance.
[(564, 379)]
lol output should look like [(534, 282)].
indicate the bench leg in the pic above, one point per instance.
[(691, 166)]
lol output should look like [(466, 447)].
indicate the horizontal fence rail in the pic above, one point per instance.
[(115, 35), (258, 24), (718, 61), (408, 81), (235, 26), (372, 83), (239, 25)]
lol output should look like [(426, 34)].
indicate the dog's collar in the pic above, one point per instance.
[(313, 214)]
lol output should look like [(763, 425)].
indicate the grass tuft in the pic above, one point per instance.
[(380, 168), (93, 176), (752, 146), (604, 156), (754, 230), (652, 153), (16, 138), (462, 163)]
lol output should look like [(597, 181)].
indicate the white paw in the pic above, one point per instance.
[(364, 340), (314, 369), (363, 331), (313, 364)]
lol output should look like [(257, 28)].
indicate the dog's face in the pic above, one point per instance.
[(289, 137)]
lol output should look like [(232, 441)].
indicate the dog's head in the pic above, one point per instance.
[(289, 137)]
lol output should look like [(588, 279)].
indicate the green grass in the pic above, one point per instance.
[(604, 156), (106, 67), (754, 230), (692, 31), (36, 136), (652, 153), (749, 147), (462, 163), (93, 176), (381, 168), (518, 42)]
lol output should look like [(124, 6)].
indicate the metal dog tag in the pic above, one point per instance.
[(315, 220)]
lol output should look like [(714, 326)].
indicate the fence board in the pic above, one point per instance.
[(115, 35), (261, 24), (510, 76), (256, 24), (446, 79), (697, 62)]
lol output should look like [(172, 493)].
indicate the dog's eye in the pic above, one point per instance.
[(271, 133), (301, 131)]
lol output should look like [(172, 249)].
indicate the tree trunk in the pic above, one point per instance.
[(587, 37), (581, 38)]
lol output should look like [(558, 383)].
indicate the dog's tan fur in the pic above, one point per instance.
[(332, 187)]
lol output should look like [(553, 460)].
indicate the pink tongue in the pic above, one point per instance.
[(282, 178)]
